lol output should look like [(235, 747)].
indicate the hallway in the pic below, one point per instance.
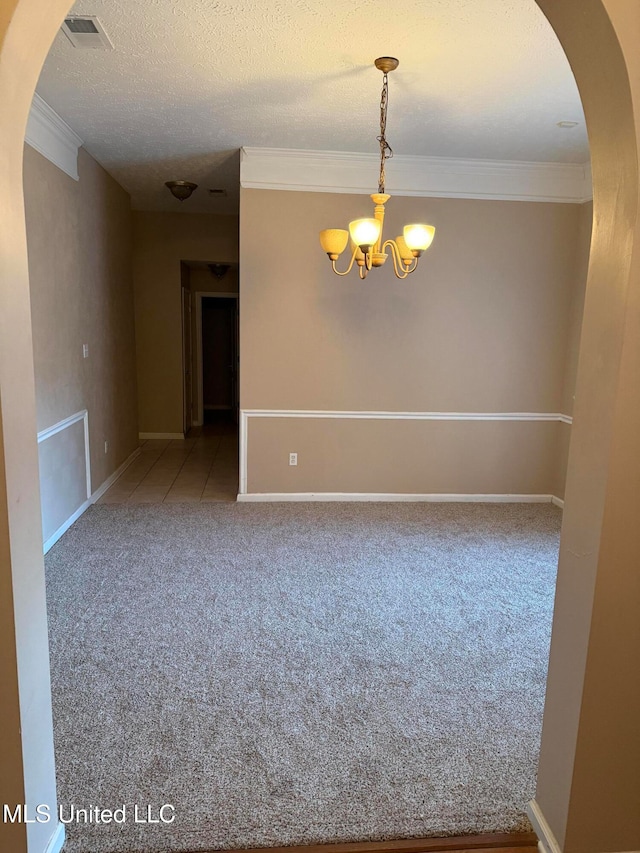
[(200, 468)]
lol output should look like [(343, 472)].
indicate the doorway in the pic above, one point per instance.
[(217, 332), (211, 364), (187, 360), (22, 58)]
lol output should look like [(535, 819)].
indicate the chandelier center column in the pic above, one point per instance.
[(379, 200)]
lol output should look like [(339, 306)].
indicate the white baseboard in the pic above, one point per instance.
[(51, 541), (99, 492), (557, 502), (171, 435), (57, 840), (547, 839), (254, 497), (547, 842)]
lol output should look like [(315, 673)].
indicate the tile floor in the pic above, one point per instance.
[(201, 467)]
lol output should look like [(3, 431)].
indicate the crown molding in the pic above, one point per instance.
[(52, 137), (442, 177)]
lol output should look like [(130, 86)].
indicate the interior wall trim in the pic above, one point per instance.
[(52, 137), (51, 541), (391, 497), (441, 177), (412, 416), (83, 415), (547, 840), (99, 492), (54, 430), (91, 499), (246, 414), (57, 840)]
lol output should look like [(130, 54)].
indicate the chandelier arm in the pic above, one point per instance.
[(398, 267), (363, 271), (348, 269)]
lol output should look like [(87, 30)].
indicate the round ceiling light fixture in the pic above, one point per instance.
[(218, 270), (181, 189)]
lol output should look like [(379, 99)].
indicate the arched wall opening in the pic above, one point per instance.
[(588, 734), (596, 604)]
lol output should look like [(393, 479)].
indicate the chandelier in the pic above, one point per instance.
[(366, 234)]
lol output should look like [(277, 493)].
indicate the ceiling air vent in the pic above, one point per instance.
[(86, 32)]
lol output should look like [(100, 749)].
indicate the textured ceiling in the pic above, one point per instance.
[(191, 81)]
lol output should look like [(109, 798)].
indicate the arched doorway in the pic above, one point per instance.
[(588, 734), (595, 611)]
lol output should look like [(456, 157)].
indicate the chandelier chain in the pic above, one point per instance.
[(386, 152)]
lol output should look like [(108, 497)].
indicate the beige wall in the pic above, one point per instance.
[(574, 329), (482, 326), (202, 281), (401, 456), (161, 242), (576, 312), (589, 771), (79, 244)]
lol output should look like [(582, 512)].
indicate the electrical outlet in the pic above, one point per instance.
[(85, 350), (293, 459), (106, 447)]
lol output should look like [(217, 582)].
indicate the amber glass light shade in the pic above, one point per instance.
[(334, 240), (364, 232), (418, 237)]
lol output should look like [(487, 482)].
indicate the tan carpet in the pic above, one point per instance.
[(300, 673)]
